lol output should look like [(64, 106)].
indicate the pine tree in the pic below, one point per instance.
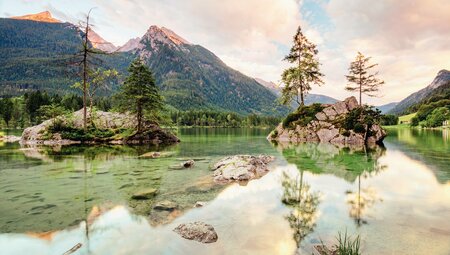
[(364, 81), (139, 93), (298, 79)]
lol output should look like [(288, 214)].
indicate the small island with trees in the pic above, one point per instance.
[(345, 123), (139, 104)]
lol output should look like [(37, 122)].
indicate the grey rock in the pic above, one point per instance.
[(10, 138), (145, 194), (199, 204), (351, 103), (188, 163), (330, 112), (326, 128), (197, 231), (340, 107), (165, 206), (325, 135), (241, 168), (39, 134), (321, 116)]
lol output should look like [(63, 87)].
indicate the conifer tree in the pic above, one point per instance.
[(298, 79), (364, 82), (139, 94)]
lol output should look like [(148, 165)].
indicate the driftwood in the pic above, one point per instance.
[(73, 249)]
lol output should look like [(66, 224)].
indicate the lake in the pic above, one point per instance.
[(396, 197)]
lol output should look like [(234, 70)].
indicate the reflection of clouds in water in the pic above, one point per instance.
[(245, 218)]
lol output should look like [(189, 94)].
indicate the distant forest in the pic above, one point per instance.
[(29, 109)]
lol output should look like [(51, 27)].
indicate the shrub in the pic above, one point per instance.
[(414, 121), (388, 120), (358, 118), (274, 134), (437, 117), (359, 128), (302, 116)]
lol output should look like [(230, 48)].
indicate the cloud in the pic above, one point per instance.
[(245, 34), (409, 39)]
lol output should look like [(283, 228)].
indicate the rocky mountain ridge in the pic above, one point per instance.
[(442, 78), (44, 16), (190, 77)]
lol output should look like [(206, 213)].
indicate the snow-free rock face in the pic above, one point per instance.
[(325, 128), (40, 134), (198, 231), (241, 168), (45, 16)]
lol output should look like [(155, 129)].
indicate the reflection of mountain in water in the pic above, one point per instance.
[(429, 146), (346, 163)]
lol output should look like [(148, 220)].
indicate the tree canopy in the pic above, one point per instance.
[(361, 79), (139, 93), (298, 79)]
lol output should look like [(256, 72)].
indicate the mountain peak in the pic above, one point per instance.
[(132, 44), (442, 77), (165, 35), (44, 16), (100, 43)]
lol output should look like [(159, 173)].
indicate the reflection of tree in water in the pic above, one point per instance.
[(303, 202), (360, 202), (348, 163)]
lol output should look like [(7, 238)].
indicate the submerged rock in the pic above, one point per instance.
[(153, 154), (145, 194), (326, 126), (189, 163), (200, 204), (10, 138), (165, 206), (197, 231), (241, 168)]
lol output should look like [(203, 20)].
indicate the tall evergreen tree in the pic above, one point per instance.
[(364, 81), (139, 93), (298, 79)]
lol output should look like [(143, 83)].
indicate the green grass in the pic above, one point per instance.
[(398, 126), (348, 245), (406, 118)]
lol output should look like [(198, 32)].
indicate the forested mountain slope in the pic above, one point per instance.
[(34, 56)]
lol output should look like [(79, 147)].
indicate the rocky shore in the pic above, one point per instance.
[(106, 127), (328, 125)]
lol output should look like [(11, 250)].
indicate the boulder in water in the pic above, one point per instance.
[(197, 231)]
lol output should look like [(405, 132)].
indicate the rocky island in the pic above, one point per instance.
[(343, 123), (106, 127)]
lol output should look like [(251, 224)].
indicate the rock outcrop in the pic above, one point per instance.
[(10, 138), (145, 194), (241, 168), (198, 231), (326, 127), (42, 133)]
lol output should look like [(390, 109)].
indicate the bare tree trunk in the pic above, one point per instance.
[(85, 75), (360, 86), (139, 117), (302, 101)]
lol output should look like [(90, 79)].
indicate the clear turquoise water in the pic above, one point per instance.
[(396, 198)]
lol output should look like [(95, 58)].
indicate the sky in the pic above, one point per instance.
[(409, 39)]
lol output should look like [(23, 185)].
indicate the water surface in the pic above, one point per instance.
[(397, 197)]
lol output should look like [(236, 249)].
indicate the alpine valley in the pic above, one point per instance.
[(35, 50)]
